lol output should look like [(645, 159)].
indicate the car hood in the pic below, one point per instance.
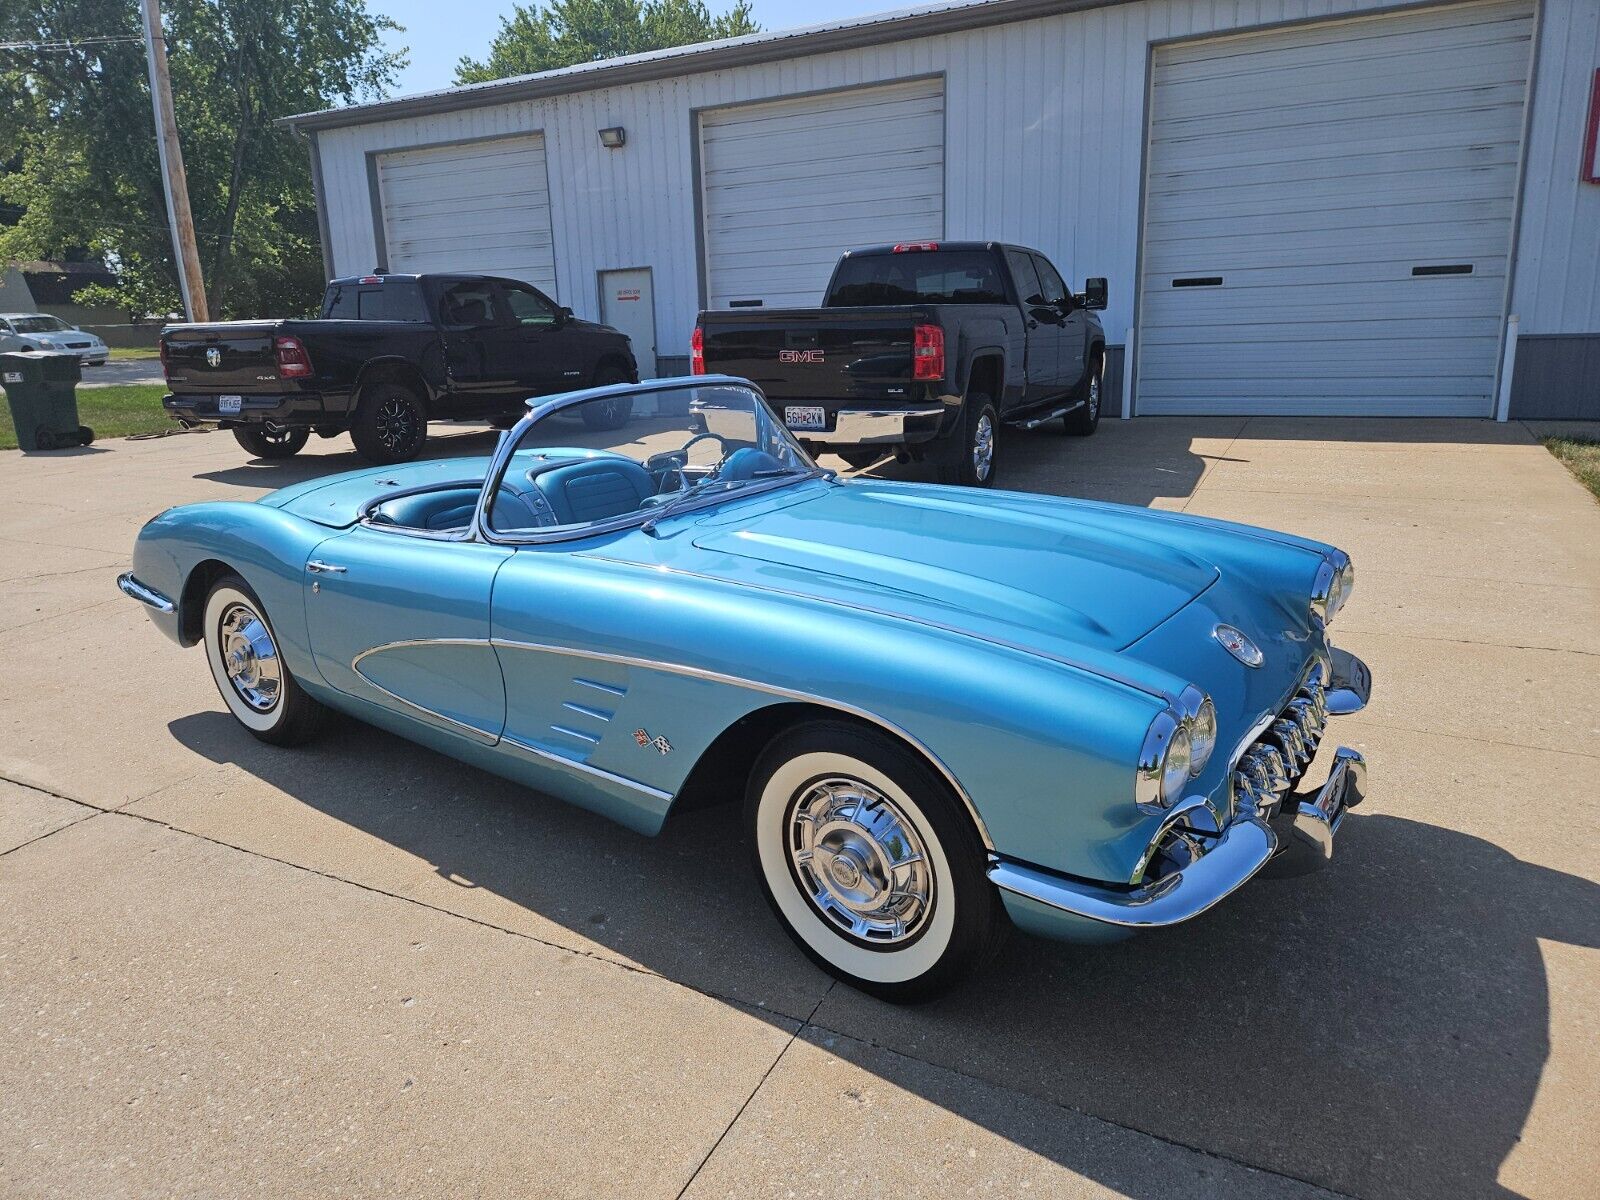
[(60, 338), (1032, 563)]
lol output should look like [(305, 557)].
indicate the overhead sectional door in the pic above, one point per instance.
[(479, 206), (787, 185), (1328, 215)]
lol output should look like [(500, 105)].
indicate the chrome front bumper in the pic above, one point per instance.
[(1293, 831), (870, 427), (130, 586)]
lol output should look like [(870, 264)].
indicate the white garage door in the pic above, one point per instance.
[(1328, 215), (787, 185), (476, 206)]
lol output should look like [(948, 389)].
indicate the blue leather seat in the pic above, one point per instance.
[(448, 508), (584, 492), (746, 462)]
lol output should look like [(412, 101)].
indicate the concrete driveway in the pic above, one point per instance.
[(361, 968)]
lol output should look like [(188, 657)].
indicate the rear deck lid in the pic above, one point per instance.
[(337, 500)]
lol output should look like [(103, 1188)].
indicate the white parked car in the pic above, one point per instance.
[(40, 331)]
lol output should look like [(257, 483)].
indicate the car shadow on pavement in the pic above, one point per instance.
[(1379, 1028)]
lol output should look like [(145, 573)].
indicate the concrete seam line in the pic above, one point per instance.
[(1211, 463), (1422, 637), (760, 1083), (732, 1001), (1069, 1108), (1364, 719), (98, 812)]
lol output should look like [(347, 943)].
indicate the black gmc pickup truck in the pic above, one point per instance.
[(925, 349), (389, 354)]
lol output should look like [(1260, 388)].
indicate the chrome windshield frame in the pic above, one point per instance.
[(541, 407)]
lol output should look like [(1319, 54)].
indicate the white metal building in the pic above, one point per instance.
[(1340, 207)]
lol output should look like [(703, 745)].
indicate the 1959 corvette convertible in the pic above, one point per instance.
[(940, 707)]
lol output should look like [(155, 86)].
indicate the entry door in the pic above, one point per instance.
[(627, 302), (403, 621)]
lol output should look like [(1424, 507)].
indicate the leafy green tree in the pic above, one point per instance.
[(564, 33), (79, 168)]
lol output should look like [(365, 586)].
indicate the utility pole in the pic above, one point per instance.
[(176, 183)]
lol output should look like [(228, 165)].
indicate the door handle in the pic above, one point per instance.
[(318, 567)]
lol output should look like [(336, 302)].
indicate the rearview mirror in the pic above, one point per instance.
[(1094, 292)]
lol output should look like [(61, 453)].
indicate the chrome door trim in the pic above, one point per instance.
[(583, 768), (754, 685)]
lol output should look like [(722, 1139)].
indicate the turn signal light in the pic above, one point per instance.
[(927, 352), (293, 361), (697, 352)]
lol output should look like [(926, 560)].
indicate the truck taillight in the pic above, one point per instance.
[(697, 352), (293, 361), (927, 352), (165, 361), (908, 247)]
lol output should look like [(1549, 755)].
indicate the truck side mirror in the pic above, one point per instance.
[(1094, 292), (565, 314)]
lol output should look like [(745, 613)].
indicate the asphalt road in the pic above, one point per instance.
[(361, 968), (133, 370)]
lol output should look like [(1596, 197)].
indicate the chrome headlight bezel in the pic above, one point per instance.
[(1336, 579), (1172, 754)]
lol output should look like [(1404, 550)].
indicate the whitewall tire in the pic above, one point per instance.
[(248, 667), (871, 864)]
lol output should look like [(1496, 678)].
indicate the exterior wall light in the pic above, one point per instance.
[(614, 137)]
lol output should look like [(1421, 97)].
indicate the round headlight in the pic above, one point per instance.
[(1202, 736), (1343, 584), (1175, 769)]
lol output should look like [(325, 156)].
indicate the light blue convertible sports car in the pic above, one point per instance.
[(940, 706)]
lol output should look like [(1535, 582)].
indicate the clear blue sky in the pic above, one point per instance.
[(439, 33)]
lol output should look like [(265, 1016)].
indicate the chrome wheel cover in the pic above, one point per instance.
[(249, 657), (983, 447), (1094, 396), (396, 423), (860, 861)]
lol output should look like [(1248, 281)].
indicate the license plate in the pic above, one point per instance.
[(804, 418), (229, 404)]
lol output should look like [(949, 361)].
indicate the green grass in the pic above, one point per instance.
[(125, 354), (114, 411), (1580, 456)]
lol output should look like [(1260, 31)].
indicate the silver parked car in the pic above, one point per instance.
[(26, 332)]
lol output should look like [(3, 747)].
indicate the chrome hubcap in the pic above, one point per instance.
[(250, 658), (983, 447), (396, 423), (1094, 396), (860, 861)]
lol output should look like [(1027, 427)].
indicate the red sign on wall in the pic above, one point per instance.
[(1591, 137)]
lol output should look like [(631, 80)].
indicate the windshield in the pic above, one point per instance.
[(643, 453), (38, 324)]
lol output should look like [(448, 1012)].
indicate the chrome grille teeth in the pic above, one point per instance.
[(1269, 769)]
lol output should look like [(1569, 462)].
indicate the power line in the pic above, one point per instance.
[(66, 47)]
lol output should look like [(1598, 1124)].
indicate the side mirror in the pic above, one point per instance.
[(567, 315), (1094, 292)]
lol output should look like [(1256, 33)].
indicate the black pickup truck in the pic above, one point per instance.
[(388, 354), (925, 349)]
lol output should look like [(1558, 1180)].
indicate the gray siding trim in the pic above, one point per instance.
[(319, 198), (1111, 382), (707, 56), (1557, 377)]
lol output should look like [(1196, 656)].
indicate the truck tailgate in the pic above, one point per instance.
[(231, 356), (816, 354)]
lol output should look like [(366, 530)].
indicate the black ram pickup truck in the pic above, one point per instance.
[(924, 349), (388, 354)]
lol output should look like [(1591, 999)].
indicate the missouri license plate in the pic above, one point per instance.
[(797, 417), (229, 404)]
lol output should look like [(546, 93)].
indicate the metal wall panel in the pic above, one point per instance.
[(1303, 185), (478, 206), (1045, 124), (786, 184)]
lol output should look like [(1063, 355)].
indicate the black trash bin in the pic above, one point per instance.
[(42, 392)]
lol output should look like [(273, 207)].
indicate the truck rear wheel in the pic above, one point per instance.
[(271, 443), (968, 456), (390, 425)]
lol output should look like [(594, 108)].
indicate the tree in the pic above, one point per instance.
[(78, 158), (567, 32)]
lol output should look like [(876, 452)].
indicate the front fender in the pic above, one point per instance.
[(268, 548)]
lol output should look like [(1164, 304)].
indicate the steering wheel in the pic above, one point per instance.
[(673, 462)]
